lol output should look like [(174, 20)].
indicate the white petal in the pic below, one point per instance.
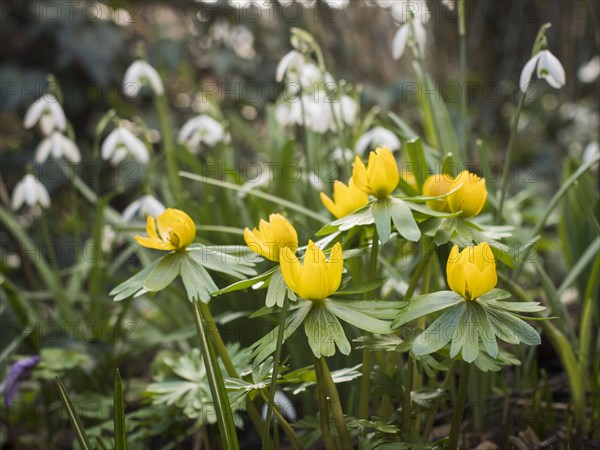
[(131, 80), (420, 36), (282, 114), (34, 113), (18, 196), (527, 72), (70, 150), (43, 150), (30, 189), (555, 71), (154, 80), (119, 155), (131, 210), (187, 130), (110, 144), (47, 124), (286, 61), (349, 109), (43, 198), (363, 143), (399, 43), (135, 146), (58, 114), (151, 206)]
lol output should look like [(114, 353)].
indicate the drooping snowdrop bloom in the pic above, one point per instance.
[(377, 137), (57, 145), (143, 207), (413, 15), (548, 67), (141, 73), (290, 65), (346, 109), (31, 192), (121, 142), (47, 111), (201, 129), (313, 78)]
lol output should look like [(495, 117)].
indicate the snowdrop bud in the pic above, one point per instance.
[(57, 145), (377, 137), (548, 67), (201, 129), (143, 207), (47, 111), (121, 142), (141, 73), (30, 191)]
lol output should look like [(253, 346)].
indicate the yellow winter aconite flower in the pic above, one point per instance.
[(271, 237), (176, 230), (318, 278), (472, 272), (380, 177), (346, 199), (471, 197), (436, 185)]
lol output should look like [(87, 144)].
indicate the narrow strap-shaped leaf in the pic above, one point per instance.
[(80, 433), (381, 213), (215, 381), (119, 405)]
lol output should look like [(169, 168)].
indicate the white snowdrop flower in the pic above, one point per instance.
[(311, 77), (141, 73), (548, 67), (450, 4), (57, 145), (47, 111), (288, 113), (291, 65), (143, 207), (590, 152), (377, 137), (31, 192), (342, 154), (590, 71), (418, 32), (317, 114), (284, 405), (346, 109), (108, 239), (202, 129), (121, 142)]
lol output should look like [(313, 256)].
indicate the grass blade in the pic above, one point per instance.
[(80, 433), (119, 405)]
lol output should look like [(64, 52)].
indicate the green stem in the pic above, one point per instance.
[(50, 244), (431, 419), (267, 436), (412, 286), (221, 349), (367, 360), (459, 406), (162, 109), (215, 381), (328, 440), (509, 156), (462, 35), (335, 406)]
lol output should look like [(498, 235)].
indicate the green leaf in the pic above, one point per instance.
[(80, 433), (440, 332), (324, 332), (494, 294), (511, 329), (197, 281), (362, 217), (386, 343), (163, 273), (381, 214), (424, 397), (265, 346), (119, 419), (369, 315), (254, 282), (360, 288), (465, 339), (238, 266), (277, 290), (486, 332), (426, 304), (404, 221), (416, 155)]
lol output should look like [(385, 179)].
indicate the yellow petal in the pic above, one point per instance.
[(359, 175), (335, 268), (157, 244), (330, 205), (436, 185), (290, 268)]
